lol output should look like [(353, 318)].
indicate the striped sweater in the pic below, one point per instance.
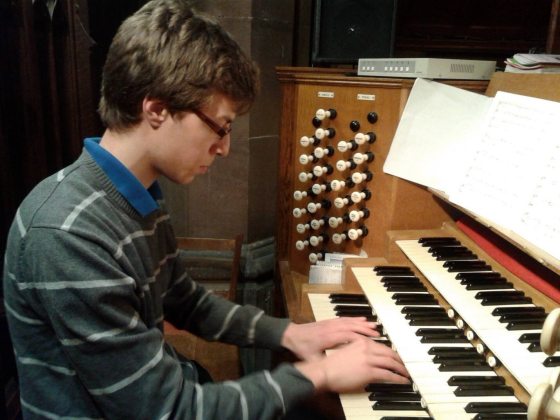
[(90, 273)]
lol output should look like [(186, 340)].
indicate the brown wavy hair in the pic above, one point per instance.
[(167, 51)]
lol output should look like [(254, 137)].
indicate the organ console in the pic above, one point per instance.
[(472, 312)]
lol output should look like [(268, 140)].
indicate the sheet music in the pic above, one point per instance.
[(506, 169), (421, 150), (512, 178)]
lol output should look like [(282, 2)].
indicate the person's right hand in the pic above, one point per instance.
[(349, 368)]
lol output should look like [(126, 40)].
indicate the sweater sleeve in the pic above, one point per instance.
[(190, 306), (94, 316)]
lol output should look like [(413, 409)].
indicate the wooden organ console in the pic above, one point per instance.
[(435, 277)]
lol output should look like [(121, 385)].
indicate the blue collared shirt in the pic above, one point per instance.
[(142, 199)]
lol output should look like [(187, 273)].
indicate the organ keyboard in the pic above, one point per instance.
[(452, 303)]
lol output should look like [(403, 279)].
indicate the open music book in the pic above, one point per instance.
[(498, 158)]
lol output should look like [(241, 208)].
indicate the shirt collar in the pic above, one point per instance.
[(142, 199)]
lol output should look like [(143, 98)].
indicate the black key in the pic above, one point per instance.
[(552, 361), (496, 280), (415, 300), (422, 310), (465, 256), (398, 405), (475, 265), (499, 416), (387, 343), (473, 276), (369, 317), (430, 322), (347, 298), (525, 325), (513, 294), (476, 380), (473, 366), (396, 296), (394, 271), (447, 248), (394, 396), (405, 418), (466, 358), (438, 240), (488, 286), (496, 407), (504, 300), (389, 387), (516, 310), (347, 307), (421, 315), (530, 338), (399, 279), (522, 317), (362, 310), (443, 340), (535, 348), (478, 390), (450, 351), (407, 288), (438, 331)]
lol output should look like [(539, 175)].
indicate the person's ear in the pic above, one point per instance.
[(154, 111)]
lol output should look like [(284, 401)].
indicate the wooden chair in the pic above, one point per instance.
[(215, 263)]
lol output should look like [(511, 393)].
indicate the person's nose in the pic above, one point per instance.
[(222, 147)]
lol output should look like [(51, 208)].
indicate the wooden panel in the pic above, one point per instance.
[(394, 203), (535, 85)]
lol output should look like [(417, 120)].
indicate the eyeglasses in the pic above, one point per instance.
[(216, 128)]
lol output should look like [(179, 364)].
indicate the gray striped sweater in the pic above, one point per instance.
[(87, 284)]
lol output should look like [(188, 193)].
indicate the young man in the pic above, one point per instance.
[(91, 268)]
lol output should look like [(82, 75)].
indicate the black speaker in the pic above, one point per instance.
[(345, 30)]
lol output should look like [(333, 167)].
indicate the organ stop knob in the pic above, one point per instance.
[(321, 114), (337, 185), (359, 177), (361, 138), (309, 141), (357, 215), (315, 240), (299, 212), (318, 223), (360, 158), (344, 145), (339, 238), (354, 234), (334, 221), (321, 133), (320, 153), (321, 170), (319, 188), (305, 159), (358, 196), (302, 227), (343, 165), (341, 202)]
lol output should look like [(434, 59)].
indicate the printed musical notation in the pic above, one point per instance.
[(507, 173)]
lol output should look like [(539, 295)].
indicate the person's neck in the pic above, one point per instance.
[(129, 147)]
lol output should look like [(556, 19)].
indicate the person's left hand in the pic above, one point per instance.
[(308, 341)]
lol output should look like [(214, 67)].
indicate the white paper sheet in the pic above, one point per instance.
[(435, 134)]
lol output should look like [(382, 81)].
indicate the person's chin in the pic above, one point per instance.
[(186, 179)]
